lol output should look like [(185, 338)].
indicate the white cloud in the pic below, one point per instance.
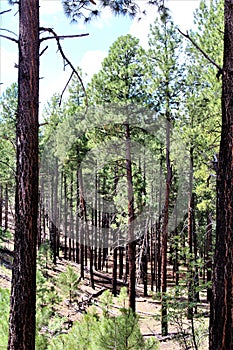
[(140, 28), (181, 12), (8, 73), (91, 62), (50, 7)]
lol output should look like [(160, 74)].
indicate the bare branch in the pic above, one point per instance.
[(9, 38), (8, 166), (61, 37), (1, 13), (74, 71), (65, 87), (43, 50), (9, 139), (187, 36), (9, 31), (42, 124)]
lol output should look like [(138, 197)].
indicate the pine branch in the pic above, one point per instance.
[(9, 38), (187, 36), (1, 13), (63, 91), (9, 31), (74, 71), (8, 166), (43, 50), (61, 37)]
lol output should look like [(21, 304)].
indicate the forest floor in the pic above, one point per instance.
[(148, 308)]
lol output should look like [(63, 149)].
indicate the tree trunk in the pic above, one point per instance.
[(221, 316), (190, 241), (23, 291), (65, 217), (164, 321), (1, 205), (158, 227), (209, 254), (6, 207), (131, 244)]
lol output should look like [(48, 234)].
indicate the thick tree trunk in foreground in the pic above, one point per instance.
[(221, 317), (23, 292)]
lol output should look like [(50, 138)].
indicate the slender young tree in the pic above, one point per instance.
[(165, 86)]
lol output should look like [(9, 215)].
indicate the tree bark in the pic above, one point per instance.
[(164, 318), (23, 291), (1, 205), (209, 245), (221, 316), (6, 208), (190, 240), (131, 244)]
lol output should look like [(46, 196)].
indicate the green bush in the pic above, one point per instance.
[(106, 331), (4, 316)]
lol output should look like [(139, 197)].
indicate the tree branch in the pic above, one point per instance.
[(187, 36), (8, 166), (74, 71), (63, 91), (1, 13), (9, 38), (43, 50), (8, 139), (61, 37), (9, 31)]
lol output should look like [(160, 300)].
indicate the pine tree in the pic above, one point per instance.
[(165, 89)]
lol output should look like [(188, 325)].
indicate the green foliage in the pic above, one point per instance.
[(192, 332), (8, 107), (86, 10), (4, 316), (44, 257), (165, 68), (47, 322), (121, 78), (100, 332), (68, 282), (5, 235)]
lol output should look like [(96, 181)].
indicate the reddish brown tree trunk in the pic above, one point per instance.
[(131, 244), (6, 207), (65, 217), (23, 291), (221, 317), (190, 240), (1, 205), (209, 254), (164, 321)]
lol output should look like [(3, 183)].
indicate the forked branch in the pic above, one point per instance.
[(74, 71)]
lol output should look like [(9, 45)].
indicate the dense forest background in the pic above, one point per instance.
[(127, 189)]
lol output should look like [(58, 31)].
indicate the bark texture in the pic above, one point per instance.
[(23, 292), (221, 318), (131, 240)]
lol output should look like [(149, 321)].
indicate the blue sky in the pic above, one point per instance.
[(86, 52)]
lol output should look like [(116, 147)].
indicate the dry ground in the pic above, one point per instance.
[(147, 307)]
